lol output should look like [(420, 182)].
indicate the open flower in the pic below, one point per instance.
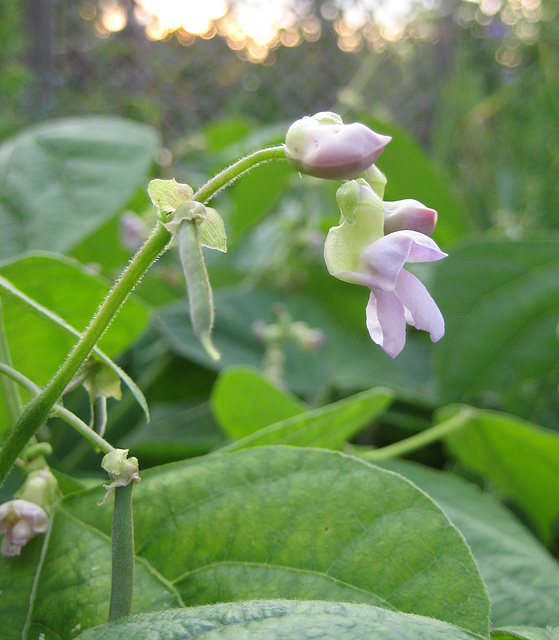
[(20, 521), (324, 147), (358, 251)]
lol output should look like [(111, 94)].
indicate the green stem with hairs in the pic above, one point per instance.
[(422, 439), (39, 408), (58, 410), (236, 170)]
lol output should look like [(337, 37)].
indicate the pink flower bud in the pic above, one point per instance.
[(410, 215), (324, 147)]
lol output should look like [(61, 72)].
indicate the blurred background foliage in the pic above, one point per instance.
[(469, 90), (475, 82)]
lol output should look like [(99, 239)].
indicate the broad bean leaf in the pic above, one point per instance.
[(525, 633), (500, 299), (520, 574), (47, 301), (287, 522), (61, 180), (329, 427), (244, 401), (521, 458), (278, 620), (61, 583)]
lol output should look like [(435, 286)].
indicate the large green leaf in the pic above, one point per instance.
[(525, 633), (278, 620), (500, 300), (61, 583), (47, 301), (61, 180), (521, 576), (329, 427), (243, 401), (286, 522), (521, 458)]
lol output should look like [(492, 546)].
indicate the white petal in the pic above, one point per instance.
[(386, 321), (386, 257), (420, 307)]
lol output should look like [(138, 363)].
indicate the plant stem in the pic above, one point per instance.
[(230, 174), (58, 410), (38, 409), (421, 439), (122, 587)]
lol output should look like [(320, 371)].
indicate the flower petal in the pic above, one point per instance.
[(385, 258), (409, 214), (386, 321), (422, 311)]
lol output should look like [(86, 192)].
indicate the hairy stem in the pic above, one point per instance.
[(420, 440), (38, 409), (122, 586), (58, 410), (230, 174)]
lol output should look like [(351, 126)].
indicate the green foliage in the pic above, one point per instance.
[(51, 175), (256, 509), (276, 619)]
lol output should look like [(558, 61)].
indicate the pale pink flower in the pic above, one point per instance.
[(358, 252), (20, 521)]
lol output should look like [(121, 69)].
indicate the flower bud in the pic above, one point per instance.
[(324, 147), (20, 521), (410, 215)]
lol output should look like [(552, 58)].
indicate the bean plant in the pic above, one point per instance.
[(352, 471)]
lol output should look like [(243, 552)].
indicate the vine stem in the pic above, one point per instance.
[(38, 409), (122, 585), (419, 440), (58, 410), (236, 170)]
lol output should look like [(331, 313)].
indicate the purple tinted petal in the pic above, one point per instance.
[(409, 214), (386, 321), (421, 310), (386, 256)]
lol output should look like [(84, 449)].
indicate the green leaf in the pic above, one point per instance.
[(169, 195), (286, 522), (521, 458), (500, 300), (61, 180), (243, 401), (521, 576), (47, 301), (329, 427), (212, 231), (525, 633), (61, 582), (278, 620)]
